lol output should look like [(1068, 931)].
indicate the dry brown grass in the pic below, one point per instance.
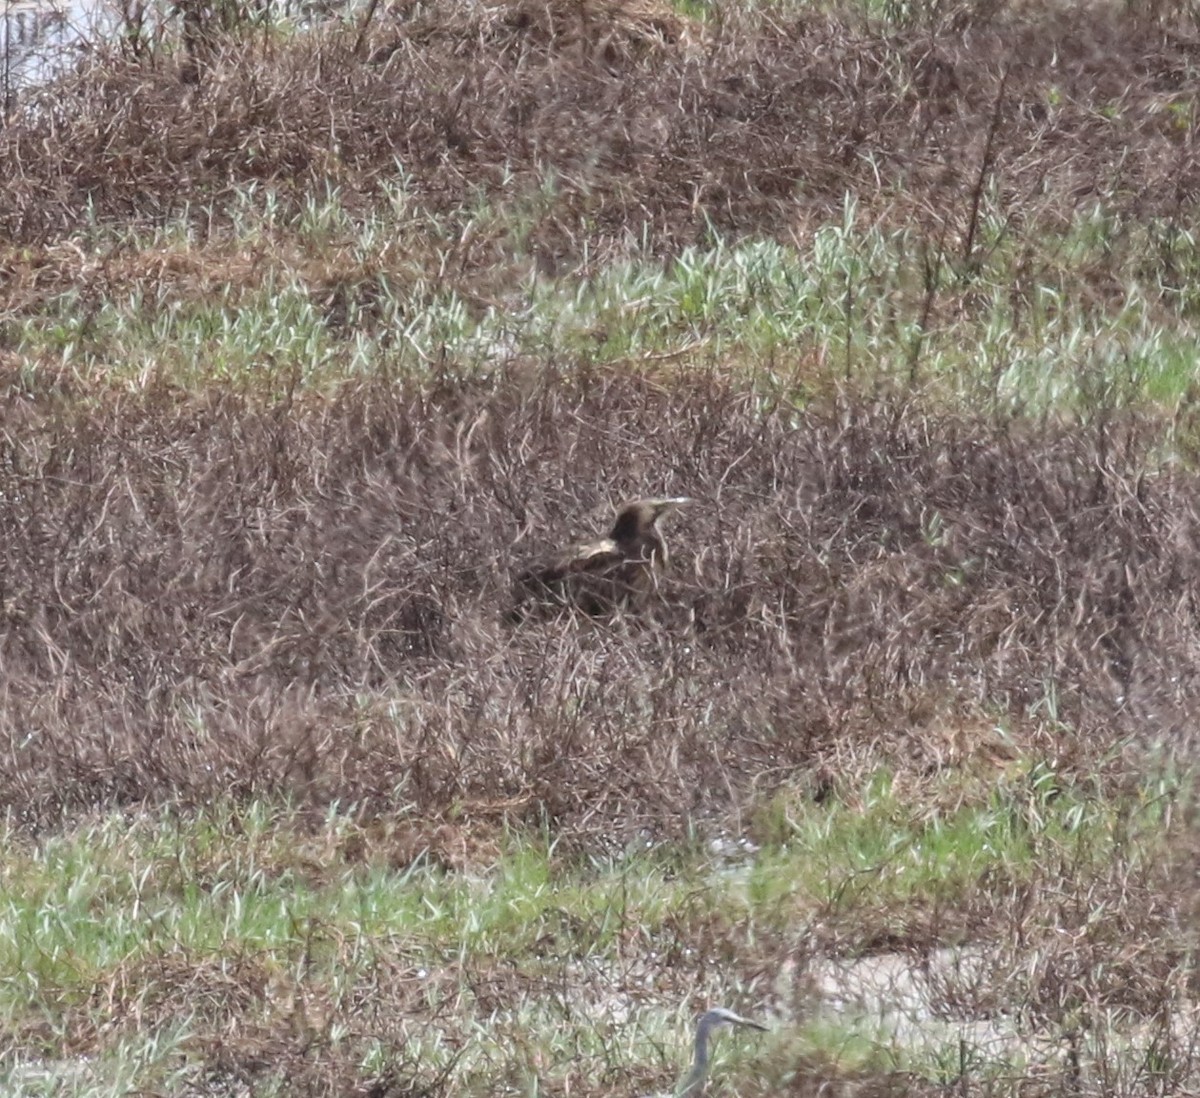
[(212, 593), (747, 125)]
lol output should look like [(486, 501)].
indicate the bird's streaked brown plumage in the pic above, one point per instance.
[(600, 576)]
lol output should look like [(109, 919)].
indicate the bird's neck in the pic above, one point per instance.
[(649, 547), (693, 1085)]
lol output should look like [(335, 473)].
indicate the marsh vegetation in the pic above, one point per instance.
[(307, 336)]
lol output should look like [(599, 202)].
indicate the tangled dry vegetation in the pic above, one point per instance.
[(206, 595), (745, 124)]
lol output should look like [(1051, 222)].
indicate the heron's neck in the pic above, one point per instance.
[(693, 1085)]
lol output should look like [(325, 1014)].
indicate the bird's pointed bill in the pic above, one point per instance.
[(751, 1023), (672, 501), (724, 1014)]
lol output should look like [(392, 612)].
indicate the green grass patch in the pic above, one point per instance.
[(530, 967), (318, 294), (884, 850)]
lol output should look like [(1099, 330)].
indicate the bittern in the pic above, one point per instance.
[(712, 1019), (600, 576)]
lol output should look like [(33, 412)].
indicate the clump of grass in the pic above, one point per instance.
[(896, 850)]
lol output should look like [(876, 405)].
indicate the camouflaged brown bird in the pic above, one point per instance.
[(598, 577)]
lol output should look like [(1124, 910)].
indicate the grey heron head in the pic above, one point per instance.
[(711, 1019), (721, 1016)]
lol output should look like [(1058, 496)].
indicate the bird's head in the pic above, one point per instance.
[(711, 1019), (639, 518), (720, 1016)]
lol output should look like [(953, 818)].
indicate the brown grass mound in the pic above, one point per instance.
[(209, 595), (646, 125)]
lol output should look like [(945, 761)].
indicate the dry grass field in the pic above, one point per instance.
[(310, 336)]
